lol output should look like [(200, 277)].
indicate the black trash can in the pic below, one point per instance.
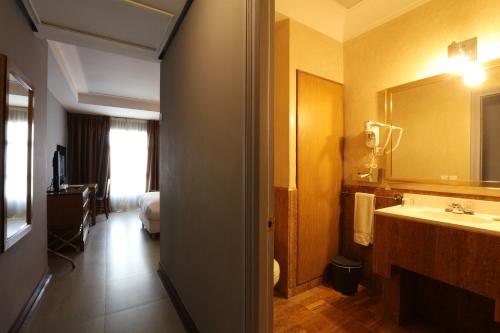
[(346, 274)]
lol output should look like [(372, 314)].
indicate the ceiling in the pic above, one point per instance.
[(89, 80), (137, 28), (104, 54), (344, 20), (348, 3)]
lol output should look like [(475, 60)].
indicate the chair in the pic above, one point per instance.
[(103, 202)]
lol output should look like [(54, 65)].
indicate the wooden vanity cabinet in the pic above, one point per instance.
[(461, 258)]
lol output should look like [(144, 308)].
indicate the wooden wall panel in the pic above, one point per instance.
[(281, 235), (285, 243), (356, 251), (285, 238), (466, 260), (320, 129)]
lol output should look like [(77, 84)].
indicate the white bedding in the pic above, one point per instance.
[(150, 206), (150, 212)]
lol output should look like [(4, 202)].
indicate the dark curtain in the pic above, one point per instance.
[(88, 150), (153, 171)]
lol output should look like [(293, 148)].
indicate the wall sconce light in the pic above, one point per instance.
[(466, 49), (463, 59)]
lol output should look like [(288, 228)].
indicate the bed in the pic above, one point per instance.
[(150, 212)]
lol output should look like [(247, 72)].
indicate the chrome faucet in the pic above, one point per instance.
[(456, 208)]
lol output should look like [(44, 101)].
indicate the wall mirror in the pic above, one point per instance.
[(17, 101), (451, 130)]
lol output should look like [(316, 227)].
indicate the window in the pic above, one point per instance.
[(128, 160)]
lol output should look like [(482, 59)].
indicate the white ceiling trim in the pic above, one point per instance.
[(63, 66), (71, 60), (58, 86), (97, 36), (150, 8), (73, 38), (118, 102), (70, 65)]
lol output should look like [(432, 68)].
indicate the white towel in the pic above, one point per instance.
[(364, 205)]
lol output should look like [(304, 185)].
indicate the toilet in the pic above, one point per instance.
[(276, 272)]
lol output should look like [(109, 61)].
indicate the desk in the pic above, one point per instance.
[(93, 187), (68, 219)]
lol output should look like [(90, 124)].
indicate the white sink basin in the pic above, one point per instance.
[(451, 217), (431, 209)]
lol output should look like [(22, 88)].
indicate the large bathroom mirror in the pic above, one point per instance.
[(17, 100), (451, 130)]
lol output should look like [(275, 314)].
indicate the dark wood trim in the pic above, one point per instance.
[(181, 309), (29, 181), (26, 14), (31, 304), (3, 111), (178, 23)]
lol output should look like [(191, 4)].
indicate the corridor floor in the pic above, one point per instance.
[(114, 288)]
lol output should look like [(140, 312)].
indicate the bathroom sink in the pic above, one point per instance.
[(451, 217), (432, 209)]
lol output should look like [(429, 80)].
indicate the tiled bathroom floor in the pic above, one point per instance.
[(114, 287)]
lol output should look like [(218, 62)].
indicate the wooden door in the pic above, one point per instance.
[(320, 130)]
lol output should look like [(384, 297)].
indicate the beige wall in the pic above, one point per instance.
[(310, 51), (325, 16), (57, 130), (23, 265), (282, 104), (411, 47)]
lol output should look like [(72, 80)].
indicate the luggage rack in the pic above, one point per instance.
[(61, 239)]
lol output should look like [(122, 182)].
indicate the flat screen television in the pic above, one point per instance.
[(59, 168)]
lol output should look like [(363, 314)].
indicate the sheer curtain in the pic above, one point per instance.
[(128, 158)]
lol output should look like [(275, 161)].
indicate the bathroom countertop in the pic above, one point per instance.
[(482, 223)]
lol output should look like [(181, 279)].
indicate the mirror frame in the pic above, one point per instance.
[(7, 68), (388, 111)]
